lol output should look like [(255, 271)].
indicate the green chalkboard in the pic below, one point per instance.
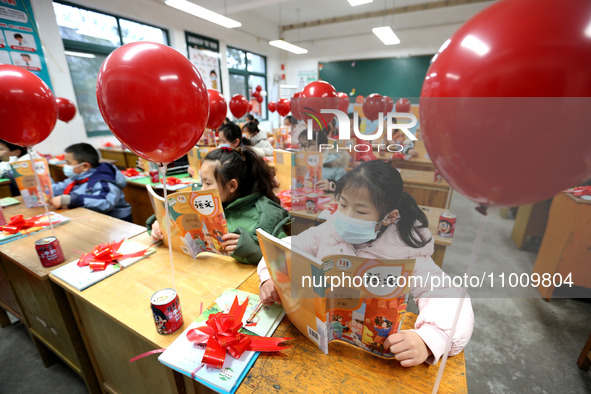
[(394, 77)]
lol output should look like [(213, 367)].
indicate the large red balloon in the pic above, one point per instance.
[(66, 110), (283, 106), (389, 104), (295, 105), (316, 96), (217, 109), (373, 105), (249, 107), (403, 105), (153, 100), (28, 110), (239, 105), (343, 102), (272, 106), (506, 105)]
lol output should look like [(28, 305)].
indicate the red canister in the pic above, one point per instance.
[(447, 225), (166, 309), (49, 251)]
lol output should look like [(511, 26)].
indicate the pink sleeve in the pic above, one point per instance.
[(263, 271), (438, 303)]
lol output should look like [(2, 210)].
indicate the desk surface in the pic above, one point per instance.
[(421, 178), (125, 296), (81, 234), (143, 181)]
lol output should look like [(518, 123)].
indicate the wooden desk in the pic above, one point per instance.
[(116, 154), (137, 196), (116, 322), (421, 186), (304, 220), (421, 162), (566, 247), (5, 188), (304, 368), (530, 221), (43, 304)]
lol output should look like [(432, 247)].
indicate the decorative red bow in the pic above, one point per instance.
[(399, 156), (221, 334), (580, 191), (130, 172), (17, 223), (108, 145), (105, 254), (171, 181)]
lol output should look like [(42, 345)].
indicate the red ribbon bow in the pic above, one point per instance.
[(16, 224), (221, 335), (105, 254), (130, 172), (171, 181), (580, 191)]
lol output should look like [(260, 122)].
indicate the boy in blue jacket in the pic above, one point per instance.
[(90, 184)]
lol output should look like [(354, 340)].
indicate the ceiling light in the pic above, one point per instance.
[(203, 13), (286, 46), (80, 54), (355, 3), (386, 35)]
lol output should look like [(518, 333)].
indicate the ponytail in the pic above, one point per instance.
[(410, 213)]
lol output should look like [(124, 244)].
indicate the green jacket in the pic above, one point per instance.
[(244, 215)]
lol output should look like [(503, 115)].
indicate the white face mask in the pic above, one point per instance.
[(69, 170), (352, 230)]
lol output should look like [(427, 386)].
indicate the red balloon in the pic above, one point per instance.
[(389, 104), (283, 106), (272, 106), (153, 100), (255, 94), (66, 110), (373, 105), (217, 109), (403, 105), (295, 105), (343, 102), (27, 107), (239, 105), (318, 95), (258, 88), (249, 107), (505, 106), (259, 99)]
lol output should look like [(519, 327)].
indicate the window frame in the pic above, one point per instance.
[(247, 73)]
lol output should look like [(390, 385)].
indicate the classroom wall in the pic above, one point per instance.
[(153, 13)]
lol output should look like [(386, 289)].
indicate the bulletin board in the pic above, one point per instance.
[(204, 53), (393, 77), (19, 39)]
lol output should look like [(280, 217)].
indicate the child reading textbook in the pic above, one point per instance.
[(376, 219), (245, 184)]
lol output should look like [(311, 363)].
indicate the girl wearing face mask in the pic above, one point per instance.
[(376, 219)]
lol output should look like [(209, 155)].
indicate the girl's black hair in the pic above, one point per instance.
[(318, 137), (384, 184), (22, 149), (247, 167), (232, 132), (292, 120), (252, 127)]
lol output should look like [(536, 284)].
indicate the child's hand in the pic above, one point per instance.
[(56, 202), (268, 293), (156, 231), (408, 347), (229, 241), (191, 171), (412, 153), (323, 184)]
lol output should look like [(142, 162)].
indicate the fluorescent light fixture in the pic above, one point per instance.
[(355, 3), (80, 54), (475, 44), (286, 46), (203, 13), (386, 35)]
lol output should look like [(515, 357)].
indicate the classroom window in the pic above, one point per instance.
[(247, 71), (89, 36)]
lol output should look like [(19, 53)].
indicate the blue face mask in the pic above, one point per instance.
[(69, 170), (352, 230)]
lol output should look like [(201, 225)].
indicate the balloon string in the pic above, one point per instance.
[(475, 250), (448, 199), (40, 193), (162, 173)]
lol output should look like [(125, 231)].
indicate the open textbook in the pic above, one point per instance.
[(356, 300), (197, 220)]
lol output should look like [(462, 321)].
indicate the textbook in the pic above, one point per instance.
[(185, 357), (308, 168), (197, 220), (362, 309), (8, 202), (27, 184), (18, 227), (83, 277)]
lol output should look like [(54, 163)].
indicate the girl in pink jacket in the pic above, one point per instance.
[(376, 219)]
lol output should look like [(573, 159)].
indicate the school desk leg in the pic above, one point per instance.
[(4, 320), (584, 361)]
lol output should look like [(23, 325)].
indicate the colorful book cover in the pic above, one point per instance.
[(284, 165), (39, 222), (362, 313), (308, 168), (185, 357), (196, 157), (26, 183), (197, 220), (82, 278)]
